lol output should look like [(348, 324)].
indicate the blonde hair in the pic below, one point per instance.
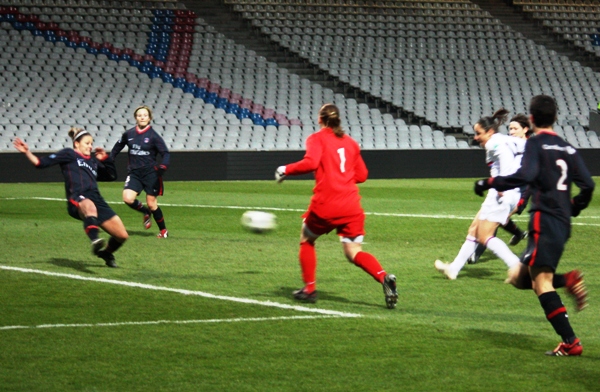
[(77, 133), (329, 114), (143, 107)]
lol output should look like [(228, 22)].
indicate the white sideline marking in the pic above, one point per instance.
[(397, 215), (184, 292), (157, 322)]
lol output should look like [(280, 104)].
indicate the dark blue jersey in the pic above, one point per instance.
[(144, 145), (80, 172), (550, 166)]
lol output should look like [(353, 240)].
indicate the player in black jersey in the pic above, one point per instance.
[(550, 166), (144, 172), (81, 170)]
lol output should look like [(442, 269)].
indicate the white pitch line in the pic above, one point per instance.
[(391, 214), (159, 322), (184, 292)]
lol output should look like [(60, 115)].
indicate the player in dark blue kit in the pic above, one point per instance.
[(84, 202), (550, 166), (144, 172)]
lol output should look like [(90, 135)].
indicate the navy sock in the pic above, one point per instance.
[(91, 227), (158, 217), (512, 228), (479, 250), (556, 313), (113, 245), (139, 206), (559, 281)]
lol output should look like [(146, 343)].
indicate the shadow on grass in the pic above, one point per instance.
[(505, 339), (286, 292), (473, 271), (76, 265), (142, 233), (531, 344)]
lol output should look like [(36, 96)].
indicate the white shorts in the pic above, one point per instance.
[(497, 208)]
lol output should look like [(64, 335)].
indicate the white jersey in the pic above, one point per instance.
[(504, 154)]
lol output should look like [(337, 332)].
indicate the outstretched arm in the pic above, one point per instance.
[(107, 170), (119, 145), (21, 146)]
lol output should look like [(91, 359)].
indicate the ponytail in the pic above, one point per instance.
[(493, 122), (77, 133), (329, 115)]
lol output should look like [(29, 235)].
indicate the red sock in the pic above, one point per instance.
[(308, 263), (370, 265)]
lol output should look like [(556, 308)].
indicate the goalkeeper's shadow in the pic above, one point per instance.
[(286, 293)]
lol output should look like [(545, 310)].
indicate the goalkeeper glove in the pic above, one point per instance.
[(481, 186), (280, 174)]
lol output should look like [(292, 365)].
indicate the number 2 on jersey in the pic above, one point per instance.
[(560, 185), (342, 153)]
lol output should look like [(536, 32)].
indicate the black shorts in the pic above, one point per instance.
[(104, 210), (546, 241), (147, 180)]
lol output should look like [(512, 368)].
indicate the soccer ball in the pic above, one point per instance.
[(259, 221)]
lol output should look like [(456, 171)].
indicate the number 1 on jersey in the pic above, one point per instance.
[(342, 153)]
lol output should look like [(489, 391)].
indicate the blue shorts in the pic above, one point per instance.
[(546, 241), (104, 210), (146, 180)]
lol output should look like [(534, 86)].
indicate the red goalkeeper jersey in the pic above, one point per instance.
[(338, 167)]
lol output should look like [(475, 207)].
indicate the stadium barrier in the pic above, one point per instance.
[(261, 165)]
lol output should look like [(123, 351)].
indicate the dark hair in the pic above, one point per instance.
[(77, 133), (543, 109), (523, 121), (493, 122), (329, 114)]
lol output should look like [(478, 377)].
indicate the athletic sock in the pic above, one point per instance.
[(466, 250), (556, 313), (512, 228), (370, 265), (158, 217), (559, 281), (113, 245), (138, 206), (479, 250), (501, 250), (308, 264), (91, 227)]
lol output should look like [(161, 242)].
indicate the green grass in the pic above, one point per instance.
[(472, 334)]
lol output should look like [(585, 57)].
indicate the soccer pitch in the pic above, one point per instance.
[(210, 308)]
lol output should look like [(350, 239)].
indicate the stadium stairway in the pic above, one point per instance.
[(229, 23), (514, 17)]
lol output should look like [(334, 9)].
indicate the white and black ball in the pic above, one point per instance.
[(259, 221)]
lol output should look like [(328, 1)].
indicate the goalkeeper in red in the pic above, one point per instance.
[(549, 167), (335, 159)]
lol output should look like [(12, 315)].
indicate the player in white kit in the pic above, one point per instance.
[(503, 156)]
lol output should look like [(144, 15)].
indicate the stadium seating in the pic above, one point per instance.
[(92, 69), (418, 56), (575, 22), (69, 62)]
